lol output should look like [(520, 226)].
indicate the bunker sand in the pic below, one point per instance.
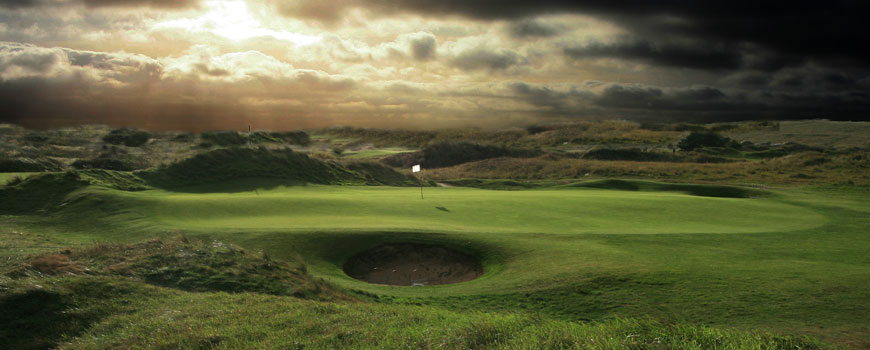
[(406, 264)]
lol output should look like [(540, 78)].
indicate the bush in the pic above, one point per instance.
[(127, 137)]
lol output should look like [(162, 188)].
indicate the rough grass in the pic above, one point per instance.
[(817, 133), (23, 164), (13, 178), (112, 313), (119, 180), (238, 163), (185, 264), (847, 167), (375, 173), (225, 322), (38, 194)]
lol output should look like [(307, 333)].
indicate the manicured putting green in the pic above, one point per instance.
[(557, 211)]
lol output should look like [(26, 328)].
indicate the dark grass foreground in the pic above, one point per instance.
[(181, 294), (106, 313)]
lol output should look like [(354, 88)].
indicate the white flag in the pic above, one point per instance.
[(415, 169)]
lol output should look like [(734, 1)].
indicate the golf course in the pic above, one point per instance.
[(150, 259)]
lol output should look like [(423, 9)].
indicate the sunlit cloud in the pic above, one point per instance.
[(235, 21)]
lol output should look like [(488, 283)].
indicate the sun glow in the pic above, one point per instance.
[(233, 20)]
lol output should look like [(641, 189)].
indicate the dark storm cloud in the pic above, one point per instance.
[(538, 95), (102, 3), (423, 47), (483, 58), (532, 28), (669, 55), (699, 103), (137, 3), (18, 3), (789, 33)]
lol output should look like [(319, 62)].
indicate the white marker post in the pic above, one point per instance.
[(416, 169)]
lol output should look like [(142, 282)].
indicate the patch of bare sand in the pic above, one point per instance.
[(407, 264)]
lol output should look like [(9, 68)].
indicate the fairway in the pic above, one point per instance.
[(563, 211)]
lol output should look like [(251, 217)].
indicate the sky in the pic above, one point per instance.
[(284, 64)]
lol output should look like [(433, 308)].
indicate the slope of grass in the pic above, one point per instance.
[(378, 174), (38, 193), (224, 322), (113, 313), (6, 177), (238, 163), (184, 264), (375, 153)]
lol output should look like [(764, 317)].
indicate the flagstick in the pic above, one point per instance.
[(417, 169)]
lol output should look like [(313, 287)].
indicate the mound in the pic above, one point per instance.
[(38, 193), (376, 173), (692, 189), (407, 264), (240, 163), (184, 264), (15, 165)]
